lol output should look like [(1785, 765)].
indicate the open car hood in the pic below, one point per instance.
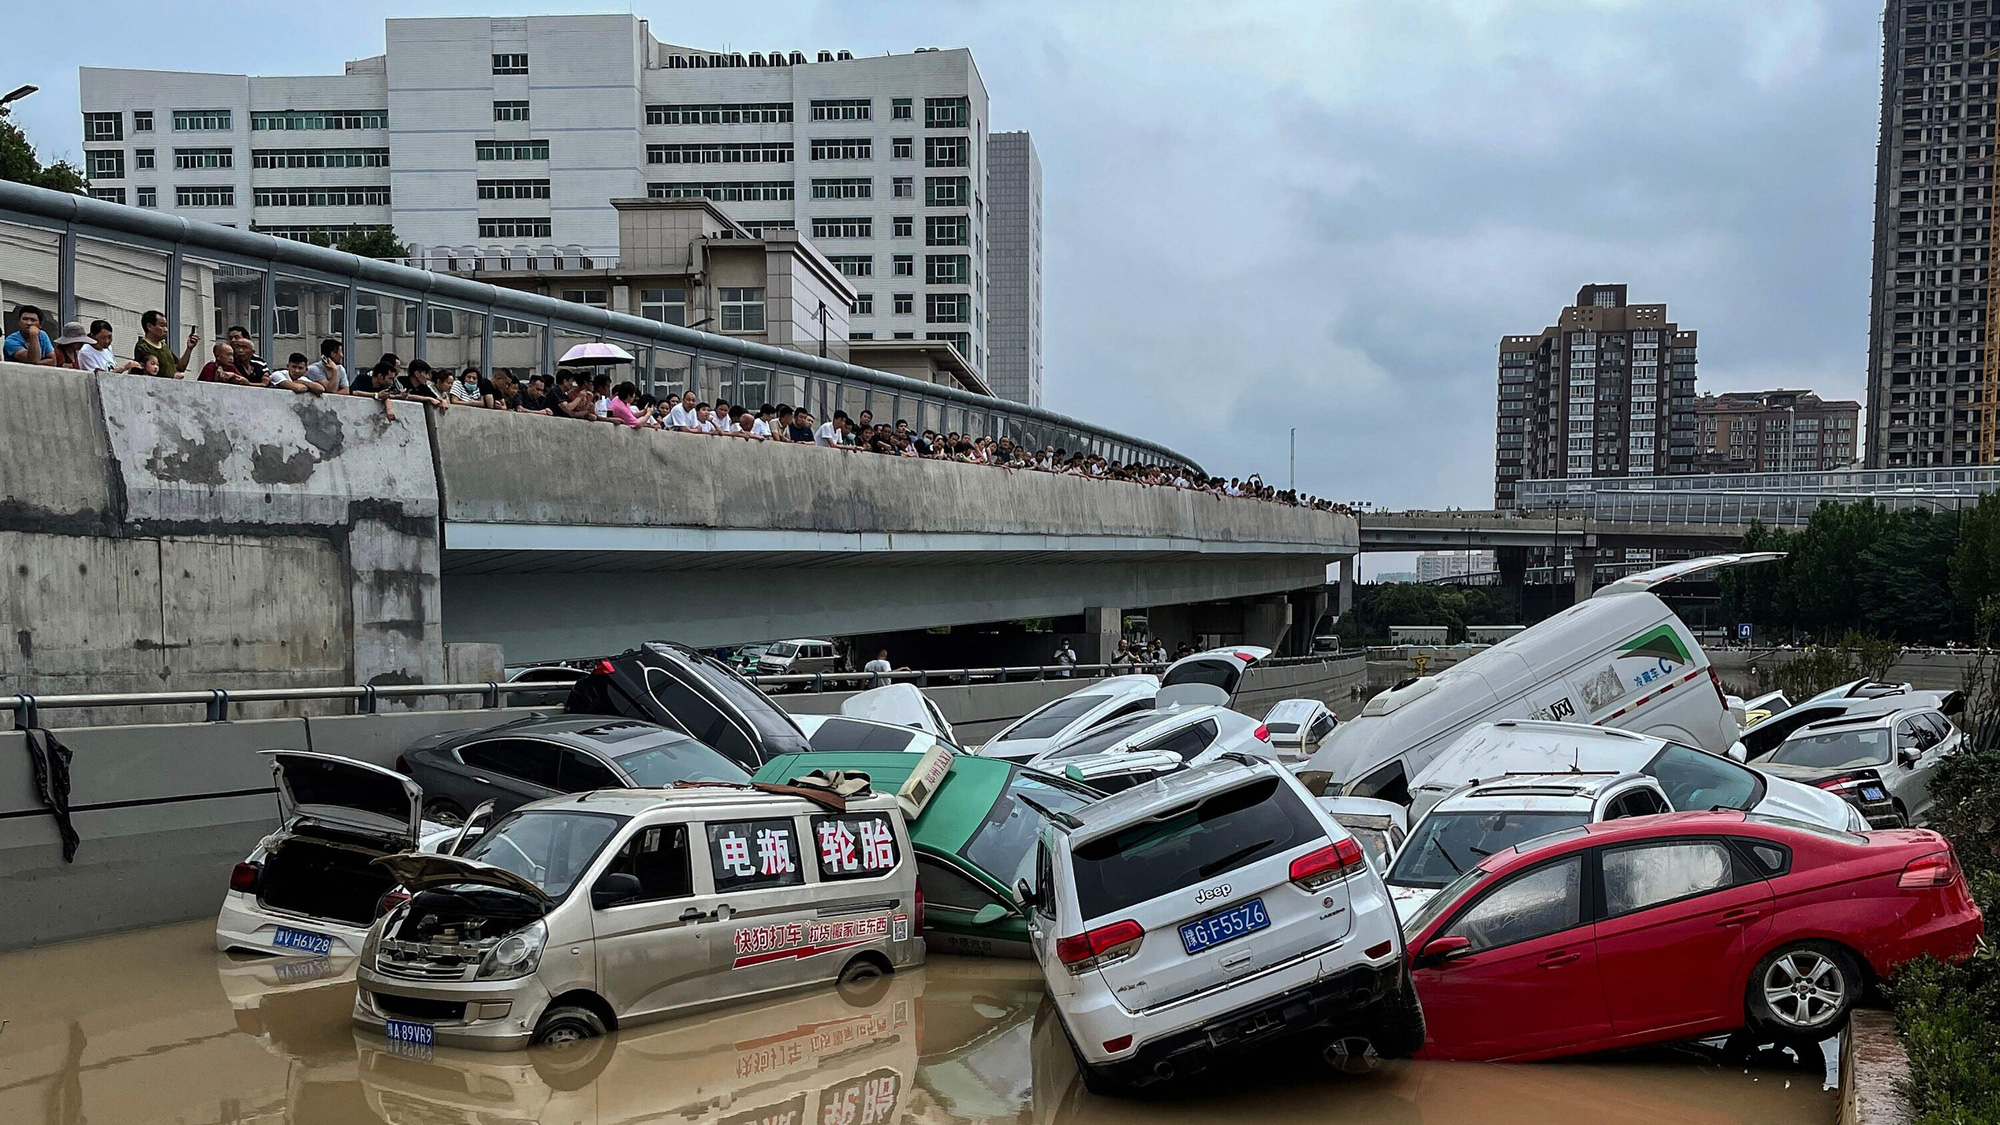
[(901, 704), (1647, 579), (418, 871), (345, 793)]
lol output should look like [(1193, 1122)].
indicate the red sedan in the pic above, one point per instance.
[(1680, 926)]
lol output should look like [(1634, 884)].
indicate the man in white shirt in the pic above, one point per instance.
[(704, 420), (681, 417), (833, 431), (762, 426), (878, 669)]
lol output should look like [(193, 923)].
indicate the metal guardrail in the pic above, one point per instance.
[(216, 702), (1740, 498), (259, 265)]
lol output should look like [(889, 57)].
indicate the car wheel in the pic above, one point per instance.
[(444, 811), (566, 1026), (1902, 815), (1801, 993), (861, 983), (1395, 1024)]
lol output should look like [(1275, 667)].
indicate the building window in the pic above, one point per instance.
[(511, 150), (514, 228), (142, 121), (748, 191), (742, 310), (720, 154), (906, 335), (843, 148), (905, 265), (853, 265), (595, 298), (108, 194), (440, 321), (205, 197), (904, 304), (843, 228), (842, 109), (510, 111), (853, 187), (323, 197), (861, 335), (947, 269), (103, 127), (947, 113), (960, 340), (367, 318), (757, 227), (147, 197), (104, 165), (905, 226), (899, 109), (510, 64), (902, 147), (947, 152), (947, 191), (947, 230), (668, 306), (906, 187), (142, 159), (201, 121), (318, 120), (319, 158), (751, 113), (864, 304), (204, 158), (948, 308), (513, 189)]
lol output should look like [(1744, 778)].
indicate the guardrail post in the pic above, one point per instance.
[(923, 678), (366, 704), (27, 716), (1001, 680), (218, 706), (819, 681), (492, 695), (1042, 672), (66, 276)]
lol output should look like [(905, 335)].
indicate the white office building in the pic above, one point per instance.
[(511, 136)]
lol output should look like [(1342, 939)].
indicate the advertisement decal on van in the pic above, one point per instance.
[(1653, 656), (758, 944)]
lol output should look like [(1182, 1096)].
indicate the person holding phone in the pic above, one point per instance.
[(154, 343)]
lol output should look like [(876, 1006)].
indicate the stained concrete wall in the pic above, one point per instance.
[(162, 535)]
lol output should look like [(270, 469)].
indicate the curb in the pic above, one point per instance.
[(1874, 1072)]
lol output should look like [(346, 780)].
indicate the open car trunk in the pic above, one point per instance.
[(326, 874)]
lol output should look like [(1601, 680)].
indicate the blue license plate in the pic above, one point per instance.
[(303, 969), (305, 941), (410, 1033), (1227, 925), (1871, 793)]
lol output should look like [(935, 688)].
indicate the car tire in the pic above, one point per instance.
[(1902, 816), (1396, 1024), (1801, 993), (862, 983), (444, 811), (565, 1026)]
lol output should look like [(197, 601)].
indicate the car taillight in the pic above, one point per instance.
[(918, 911), (604, 668), (1262, 732), (245, 877), (1715, 680), (1335, 861), (1246, 657), (402, 766), (1101, 946), (1837, 784), (1929, 872), (395, 897)]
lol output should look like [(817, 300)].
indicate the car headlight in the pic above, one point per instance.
[(516, 955)]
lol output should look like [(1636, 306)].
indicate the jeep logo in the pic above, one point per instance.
[(1210, 894)]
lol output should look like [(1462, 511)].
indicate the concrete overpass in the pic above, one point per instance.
[(1490, 530), (166, 534)]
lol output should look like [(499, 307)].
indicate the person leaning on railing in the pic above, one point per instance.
[(153, 343), (28, 343)]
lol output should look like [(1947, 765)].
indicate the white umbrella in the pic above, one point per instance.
[(595, 354)]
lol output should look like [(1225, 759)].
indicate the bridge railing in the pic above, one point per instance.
[(217, 703), (1740, 498), (87, 259)]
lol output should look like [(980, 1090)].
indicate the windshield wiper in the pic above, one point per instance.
[(1230, 860), (1049, 814)]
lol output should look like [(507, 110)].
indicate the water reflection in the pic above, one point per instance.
[(158, 1027)]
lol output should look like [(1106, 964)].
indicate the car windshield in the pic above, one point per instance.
[(1448, 844), (1054, 717), (1180, 847), (1281, 728), (680, 760), (548, 848), (847, 734), (782, 649), (1004, 845), (1105, 737), (1867, 746), (1444, 900), (1696, 781)]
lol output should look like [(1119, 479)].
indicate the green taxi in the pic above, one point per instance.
[(975, 838)]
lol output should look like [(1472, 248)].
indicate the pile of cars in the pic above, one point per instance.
[(1565, 844)]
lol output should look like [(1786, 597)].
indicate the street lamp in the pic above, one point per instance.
[(15, 95)]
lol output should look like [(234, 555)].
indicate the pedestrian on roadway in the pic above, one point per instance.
[(1066, 656)]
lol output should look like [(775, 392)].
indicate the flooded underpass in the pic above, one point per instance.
[(156, 1026)]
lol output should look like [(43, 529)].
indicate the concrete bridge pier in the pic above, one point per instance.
[(1347, 584), (1586, 572)]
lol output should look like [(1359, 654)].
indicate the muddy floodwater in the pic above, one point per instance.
[(158, 1027)]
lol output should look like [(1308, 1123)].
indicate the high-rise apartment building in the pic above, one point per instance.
[(1933, 210), (510, 135), (1774, 432), (1014, 296), (1607, 391)]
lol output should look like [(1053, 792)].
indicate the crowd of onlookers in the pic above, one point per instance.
[(583, 396)]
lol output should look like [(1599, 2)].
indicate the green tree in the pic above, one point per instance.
[(375, 242), (1975, 563), (19, 163)]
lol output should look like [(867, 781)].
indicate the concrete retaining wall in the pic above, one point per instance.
[(1874, 1071), (1931, 671)]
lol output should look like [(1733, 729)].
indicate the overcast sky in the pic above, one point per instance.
[(1319, 214)]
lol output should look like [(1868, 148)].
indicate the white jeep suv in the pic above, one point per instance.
[(1208, 914)]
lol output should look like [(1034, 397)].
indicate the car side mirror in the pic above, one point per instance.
[(614, 888), (1025, 893), (1442, 949), (1909, 754), (990, 913), (1738, 752)]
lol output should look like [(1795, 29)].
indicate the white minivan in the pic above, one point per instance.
[(1619, 659)]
